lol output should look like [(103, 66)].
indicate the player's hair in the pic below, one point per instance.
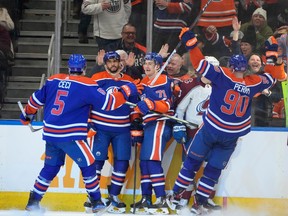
[(76, 63)]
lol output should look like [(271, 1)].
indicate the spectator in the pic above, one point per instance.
[(77, 8), (216, 44), (108, 20), (261, 111), (170, 17), (245, 9), (6, 42), (139, 15), (273, 8), (249, 43), (259, 23), (218, 14), (127, 63), (129, 45), (83, 26)]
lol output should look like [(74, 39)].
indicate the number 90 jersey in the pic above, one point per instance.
[(229, 110)]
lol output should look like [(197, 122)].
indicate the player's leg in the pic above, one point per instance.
[(53, 161), (216, 162), (81, 154), (142, 206), (161, 132), (121, 144), (99, 149)]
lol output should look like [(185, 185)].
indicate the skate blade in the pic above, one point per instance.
[(114, 210), (34, 213), (102, 211), (159, 211), (140, 211)]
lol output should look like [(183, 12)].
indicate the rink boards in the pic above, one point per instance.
[(254, 180)]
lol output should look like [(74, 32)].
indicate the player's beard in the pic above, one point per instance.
[(113, 69)]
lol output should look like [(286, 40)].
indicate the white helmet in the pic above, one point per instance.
[(212, 60)]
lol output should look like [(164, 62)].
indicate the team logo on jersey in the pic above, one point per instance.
[(111, 89), (115, 6), (202, 106), (102, 91), (264, 80)]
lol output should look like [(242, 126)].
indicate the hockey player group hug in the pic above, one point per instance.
[(217, 101)]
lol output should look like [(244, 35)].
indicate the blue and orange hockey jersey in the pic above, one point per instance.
[(161, 94), (229, 110), (67, 102), (114, 121)]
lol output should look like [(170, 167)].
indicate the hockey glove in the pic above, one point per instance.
[(132, 89), (136, 130), (145, 106), (179, 133), (25, 120), (271, 50), (188, 38)]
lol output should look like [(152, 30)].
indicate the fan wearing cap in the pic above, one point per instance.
[(258, 22)]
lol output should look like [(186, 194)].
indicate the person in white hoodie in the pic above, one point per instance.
[(109, 16)]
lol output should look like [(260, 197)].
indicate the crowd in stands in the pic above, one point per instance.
[(252, 21)]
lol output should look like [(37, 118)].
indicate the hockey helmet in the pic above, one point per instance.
[(154, 57), (76, 63), (238, 63), (111, 55), (212, 60)]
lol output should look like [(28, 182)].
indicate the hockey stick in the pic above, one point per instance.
[(179, 43), (24, 114), (182, 121), (135, 174)]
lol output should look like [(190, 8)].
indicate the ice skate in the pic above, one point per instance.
[(160, 207), (97, 206), (117, 206), (142, 206), (173, 200), (212, 205), (33, 204), (88, 205), (200, 208), (181, 205)]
